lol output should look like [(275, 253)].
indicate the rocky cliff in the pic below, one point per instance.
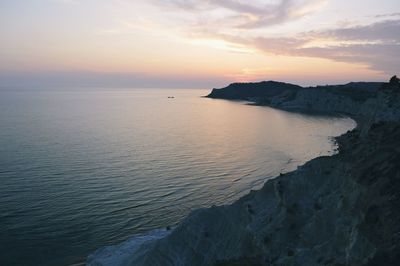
[(249, 91), (338, 210)]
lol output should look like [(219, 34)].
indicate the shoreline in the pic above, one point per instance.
[(318, 214), (116, 254)]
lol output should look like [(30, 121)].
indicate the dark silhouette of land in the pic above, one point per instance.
[(246, 91), (266, 89)]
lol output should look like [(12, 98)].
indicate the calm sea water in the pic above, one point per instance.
[(82, 169)]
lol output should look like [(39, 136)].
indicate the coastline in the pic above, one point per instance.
[(327, 212)]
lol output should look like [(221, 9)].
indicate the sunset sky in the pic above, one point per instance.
[(199, 44)]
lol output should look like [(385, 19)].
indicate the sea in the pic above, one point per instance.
[(83, 169)]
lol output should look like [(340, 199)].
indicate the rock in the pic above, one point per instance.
[(338, 210), (252, 91)]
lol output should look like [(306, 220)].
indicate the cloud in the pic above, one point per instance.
[(240, 14), (376, 45), (387, 15), (240, 23), (379, 57), (385, 31)]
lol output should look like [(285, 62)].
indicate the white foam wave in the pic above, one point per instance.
[(119, 254)]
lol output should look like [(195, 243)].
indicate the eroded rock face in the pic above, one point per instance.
[(319, 101), (338, 210)]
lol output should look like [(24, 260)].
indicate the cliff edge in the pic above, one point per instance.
[(337, 210), (250, 91)]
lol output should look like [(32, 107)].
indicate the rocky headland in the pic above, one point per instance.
[(335, 210)]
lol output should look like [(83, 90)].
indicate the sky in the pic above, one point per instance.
[(196, 44)]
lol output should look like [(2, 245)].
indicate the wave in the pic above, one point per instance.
[(116, 255)]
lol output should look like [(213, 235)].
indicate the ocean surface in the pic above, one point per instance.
[(82, 169)]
